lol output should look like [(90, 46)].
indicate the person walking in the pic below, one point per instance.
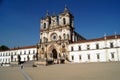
[(21, 66)]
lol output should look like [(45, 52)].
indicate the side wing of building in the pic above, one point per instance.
[(95, 50), (26, 53)]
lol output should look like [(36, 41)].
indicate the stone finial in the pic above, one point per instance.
[(66, 9), (47, 13), (105, 36), (115, 35)]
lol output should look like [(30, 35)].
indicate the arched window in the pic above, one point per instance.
[(43, 39), (44, 25), (64, 36), (67, 36), (64, 21), (60, 37), (46, 40)]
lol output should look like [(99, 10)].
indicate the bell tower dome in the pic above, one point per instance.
[(45, 22), (66, 18)]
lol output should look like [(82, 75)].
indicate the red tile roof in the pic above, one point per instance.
[(24, 47), (98, 39)]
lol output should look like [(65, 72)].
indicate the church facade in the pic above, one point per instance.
[(56, 33), (59, 41)]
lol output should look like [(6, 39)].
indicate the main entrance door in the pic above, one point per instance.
[(54, 53)]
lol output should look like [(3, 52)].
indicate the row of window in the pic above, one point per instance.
[(15, 53), (89, 57), (45, 26), (88, 47), (5, 60)]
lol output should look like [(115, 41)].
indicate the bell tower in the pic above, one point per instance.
[(56, 33), (66, 18)]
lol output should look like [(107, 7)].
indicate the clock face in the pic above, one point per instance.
[(54, 37)]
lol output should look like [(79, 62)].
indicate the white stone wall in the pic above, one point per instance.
[(105, 53), (5, 56)]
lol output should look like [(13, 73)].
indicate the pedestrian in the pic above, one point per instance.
[(21, 66)]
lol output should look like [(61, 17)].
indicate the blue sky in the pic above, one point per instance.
[(20, 19)]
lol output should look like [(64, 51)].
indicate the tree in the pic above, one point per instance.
[(3, 47)]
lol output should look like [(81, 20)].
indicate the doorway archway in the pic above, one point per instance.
[(54, 53)]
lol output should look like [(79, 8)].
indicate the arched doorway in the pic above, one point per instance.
[(54, 53)]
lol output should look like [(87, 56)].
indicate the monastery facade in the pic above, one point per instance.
[(59, 41)]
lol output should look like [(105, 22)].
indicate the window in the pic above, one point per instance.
[(15, 53), (79, 47), (46, 40), (20, 53), (72, 49), (112, 55), (58, 19), (88, 47), (64, 21), (111, 45), (54, 37), (64, 36), (3, 54), (33, 51), (6, 61), (72, 57), (89, 56), (9, 60), (24, 52), (67, 36), (42, 48), (50, 21), (60, 37), (97, 46), (29, 51), (9, 54), (24, 59), (98, 56), (44, 25), (80, 57)]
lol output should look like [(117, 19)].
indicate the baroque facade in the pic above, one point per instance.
[(56, 33), (59, 41)]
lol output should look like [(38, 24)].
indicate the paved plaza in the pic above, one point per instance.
[(84, 71)]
